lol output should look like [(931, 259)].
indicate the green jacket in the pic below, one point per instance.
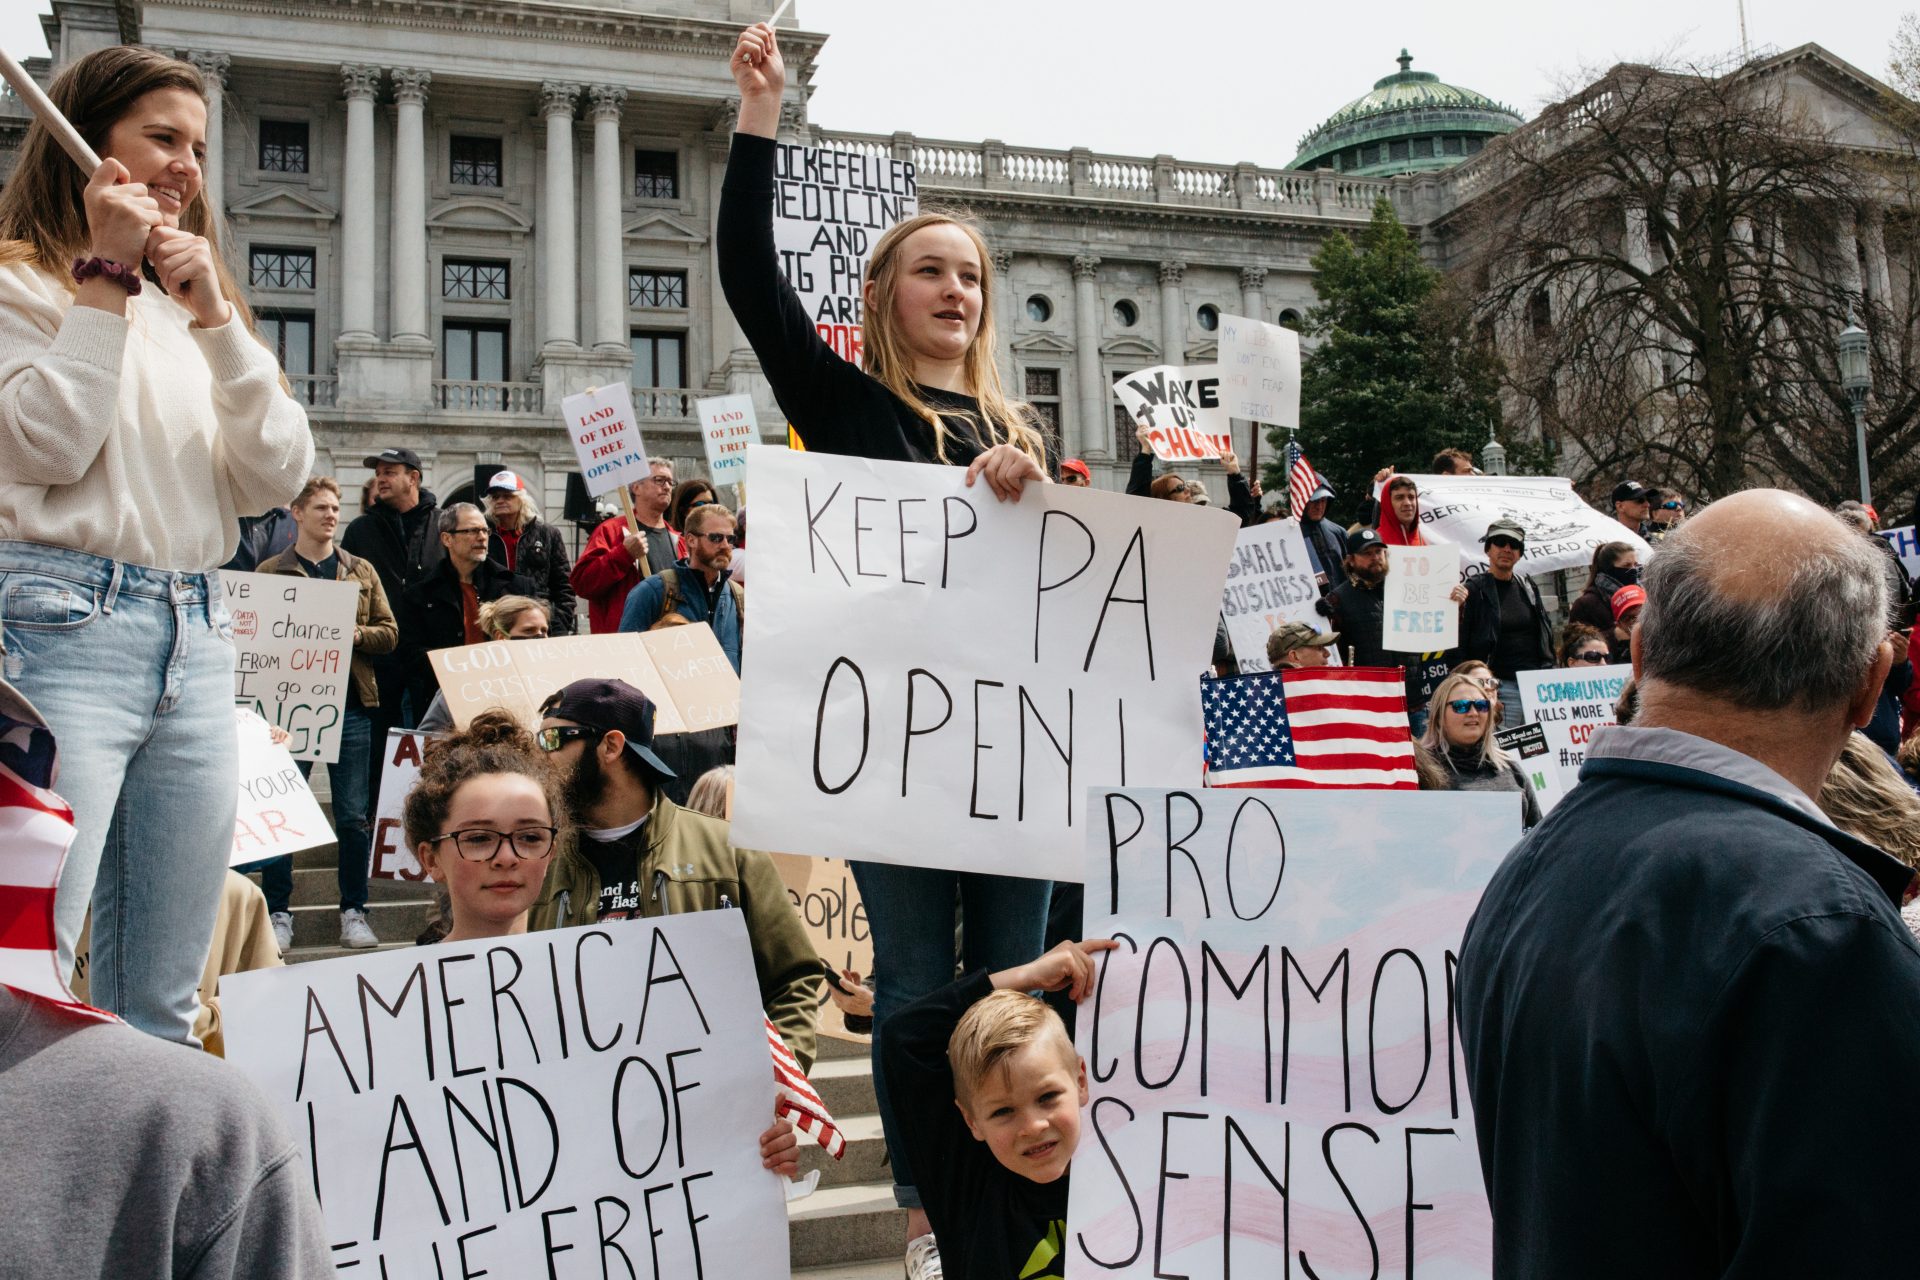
[(374, 630), (689, 866)]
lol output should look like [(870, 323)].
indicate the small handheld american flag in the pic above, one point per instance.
[(1302, 479), (797, 1100), (1312, 727)]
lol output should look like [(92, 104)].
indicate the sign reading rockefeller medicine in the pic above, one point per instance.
[(830, 207), (939, 676)]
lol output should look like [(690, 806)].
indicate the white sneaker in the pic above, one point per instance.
[(923, 1258), (354, 930), (283, 931)]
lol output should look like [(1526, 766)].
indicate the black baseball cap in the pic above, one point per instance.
[(405, 457), (607, 704), (1364, 540), (1630, 491)]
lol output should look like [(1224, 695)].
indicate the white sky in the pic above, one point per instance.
[(1227, 80)]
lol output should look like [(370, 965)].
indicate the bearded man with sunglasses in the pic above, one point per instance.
[(1503, 622), (698, 588)]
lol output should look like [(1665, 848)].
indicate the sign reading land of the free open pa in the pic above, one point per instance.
[(830, 208), (606, 437), (939, 676), (1277, 1086)]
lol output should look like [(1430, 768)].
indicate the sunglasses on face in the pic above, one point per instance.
[(1505, 544), (715, 539), (1461, 706), (1590, 655), (551, 740), (1673, 506)]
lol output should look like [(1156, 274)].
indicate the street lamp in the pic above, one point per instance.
[(1856, 379)]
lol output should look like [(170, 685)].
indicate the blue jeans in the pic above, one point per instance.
[(133, 669), (352, 820), (911, 912), (1510, 717)]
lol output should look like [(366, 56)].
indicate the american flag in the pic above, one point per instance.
[(1302, 479), (1315, 727), (797, 1100)]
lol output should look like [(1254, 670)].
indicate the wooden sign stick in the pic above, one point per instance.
[(57, 124)]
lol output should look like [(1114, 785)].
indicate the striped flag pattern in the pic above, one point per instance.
[(1317, 727), (796, 1099), (1302, 479)]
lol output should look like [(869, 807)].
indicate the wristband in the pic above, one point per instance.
[(128, 278)]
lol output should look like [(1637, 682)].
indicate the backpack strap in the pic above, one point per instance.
[(670, 579)]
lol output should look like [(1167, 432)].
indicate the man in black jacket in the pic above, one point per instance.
[(1690, 1010), (1503, 622), (1358, 610), (441, 611), (525, 544)]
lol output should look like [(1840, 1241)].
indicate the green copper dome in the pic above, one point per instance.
[(1410, 123)]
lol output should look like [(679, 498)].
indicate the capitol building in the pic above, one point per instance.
[(452, 213)]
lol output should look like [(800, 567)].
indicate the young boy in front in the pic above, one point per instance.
[(982, 1061)]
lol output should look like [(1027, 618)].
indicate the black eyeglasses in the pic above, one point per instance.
[(1592, 656), (1508, 543), (1463, 705), (716, 539), (478, 844), (556, 738)]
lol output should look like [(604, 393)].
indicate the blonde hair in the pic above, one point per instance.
[(884, 355), (498, 616), (318, 484), (698, 517), (1866, 797), (1435, 738), (995, 1029), (712, 793)]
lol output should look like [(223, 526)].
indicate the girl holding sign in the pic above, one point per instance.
[(929, 392), (140, 418)]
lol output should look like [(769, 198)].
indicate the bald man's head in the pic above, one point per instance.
[(1767, 601)]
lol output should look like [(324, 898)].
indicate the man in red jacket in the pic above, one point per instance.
[(617, 559)]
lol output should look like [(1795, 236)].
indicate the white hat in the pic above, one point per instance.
[(506, 480)]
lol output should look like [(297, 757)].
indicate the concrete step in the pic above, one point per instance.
[(865, 1159), (320, 887), (827, 1047), (889, 1268), (392, 921), (330, 951), (837, 1226), (845, 1085)]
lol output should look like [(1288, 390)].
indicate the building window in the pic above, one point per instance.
[(1370, 154), (1039, 310), (1451, 146), (1124, 445), (290, 335), (1422, 148), (1125, 314), (1043, 393), (475, 161), (656, 175), (1290, 319), (1474, 145), (283, 146), (659, 358), (280, 268), (473, 281), (473, 351), (1208, 317), (1350, 159), (647, 288), (1396, 151), (1540, 314)]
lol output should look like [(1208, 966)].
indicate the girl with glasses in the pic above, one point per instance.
[(1459, 740)]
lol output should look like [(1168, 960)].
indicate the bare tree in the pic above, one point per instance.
[(1665, 259)]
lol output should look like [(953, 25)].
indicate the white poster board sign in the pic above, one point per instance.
[(528, 1106), (1270, 580), (1562, 530), (1907, 542), (1181, 410), (1271, 1046), (1419, 615), (938, 676), (830, 207), (1259, 371), (393, 857), (727, 427), (1568, 705), (606, 437), (293, 654), (277, 814)]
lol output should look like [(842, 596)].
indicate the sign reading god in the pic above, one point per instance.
[(571, 1104), (938, 676), (682, 670), (1418, 611), (1260, 371), (1562, 530), (606, 436), (727, 426), (277, 812), (293, 653), (1271, 1051), (1181, 410), (1269, 581), (1568, 705), (830, 208)]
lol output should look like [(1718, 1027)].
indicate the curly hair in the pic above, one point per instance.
[(1572, 637), (493, 742)]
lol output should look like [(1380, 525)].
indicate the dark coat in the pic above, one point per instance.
[(1691, 1018), (1480, 621), (541, 558), (402, 549), (430, 617)]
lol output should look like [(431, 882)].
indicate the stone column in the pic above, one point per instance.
[(1253, 293), (735, 370), (561, 291), (213, 69), (360, 84), (1003, 320), (408, 234), (1873, 237), (609, 247), (1847, 246), (1173, 314), (1088, 434)]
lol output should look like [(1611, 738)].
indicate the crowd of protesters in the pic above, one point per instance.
[(1755, 989)]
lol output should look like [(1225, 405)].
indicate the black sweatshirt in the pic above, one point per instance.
[(992, 1224), (835, 407)]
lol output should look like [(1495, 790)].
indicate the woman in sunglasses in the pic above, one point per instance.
[(1581, 646), (1459, 739)]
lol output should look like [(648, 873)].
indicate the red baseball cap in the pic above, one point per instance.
[(1078, 468), (1628, 598)]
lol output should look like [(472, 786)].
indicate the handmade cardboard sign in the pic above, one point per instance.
[(1181, 410), (393, 857), (827, 901), (277, 812), (727, 427), (606, 436), (1259, 371), (830, 207), (1269, 581), (682, 669), (1419, 614), (1562, 530), (1271, 1051), (937, 675), (550, 1104), (1568, 705), (292, 653)]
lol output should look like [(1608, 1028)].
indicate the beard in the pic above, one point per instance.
[(1367, 575), (586, 786)]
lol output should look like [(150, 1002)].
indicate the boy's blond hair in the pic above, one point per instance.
[(995, 1029)]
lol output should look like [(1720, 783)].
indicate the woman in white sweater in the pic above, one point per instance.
[(137, 424)]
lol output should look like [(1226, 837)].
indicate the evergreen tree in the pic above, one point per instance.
[(1395, 376)]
